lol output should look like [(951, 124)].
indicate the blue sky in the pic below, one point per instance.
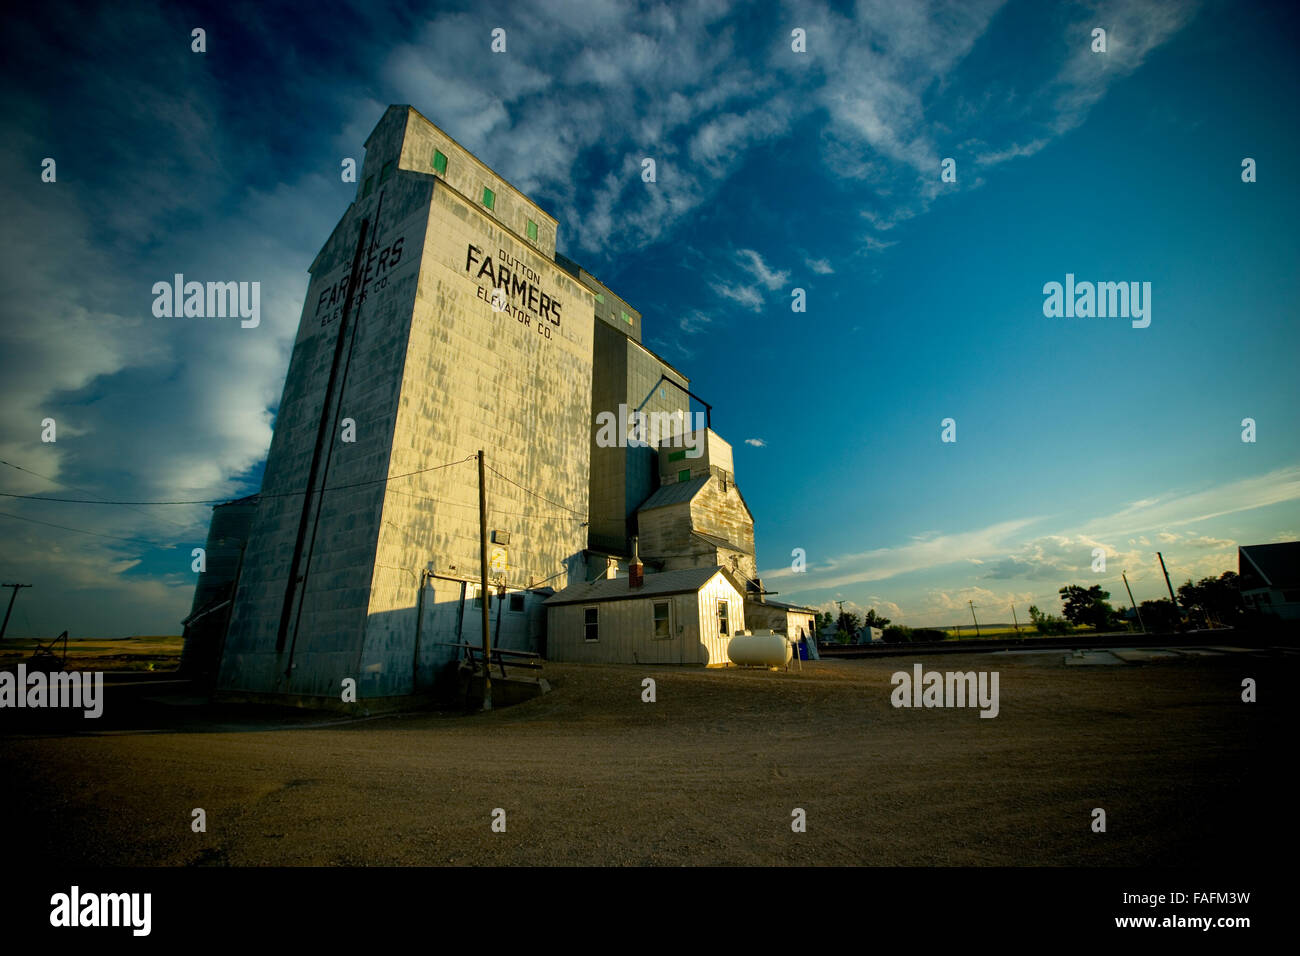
[(776, 170)]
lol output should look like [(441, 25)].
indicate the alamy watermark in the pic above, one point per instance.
[(75, 908), (181, 299), (55, 689), (953, 689), (1086, 300), (638, 429)]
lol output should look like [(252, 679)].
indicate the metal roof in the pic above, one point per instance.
[(681, 581), (676, 493), (718, 542), (785, 606)]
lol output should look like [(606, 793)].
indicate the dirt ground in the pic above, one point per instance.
[(708, 774)]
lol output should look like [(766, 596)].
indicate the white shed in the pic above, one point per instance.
[(675, 617)]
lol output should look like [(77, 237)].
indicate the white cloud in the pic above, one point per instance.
[(756, 442)]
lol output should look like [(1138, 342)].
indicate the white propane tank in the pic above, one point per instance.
[(763, 648)]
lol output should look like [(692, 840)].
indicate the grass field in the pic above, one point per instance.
[(103, 654)]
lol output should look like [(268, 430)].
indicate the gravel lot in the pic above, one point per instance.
[(708, 774)]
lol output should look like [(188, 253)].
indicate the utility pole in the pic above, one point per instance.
[(1173, 600), (13, 597), (973, 618), (483, 587), (1013, 617), (1124, 575)]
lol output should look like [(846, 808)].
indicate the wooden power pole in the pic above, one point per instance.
[(483, 586), (13, 597)]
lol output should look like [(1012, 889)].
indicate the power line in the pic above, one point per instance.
[(216, 501), (63, 484), (97, 534), (535, 494)]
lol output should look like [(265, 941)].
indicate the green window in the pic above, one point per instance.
[(677, 455), (532, 230), (626, 318), (369, 187), (386, 172), (684, 475), (489, 198), (439, 162), (600, 297)]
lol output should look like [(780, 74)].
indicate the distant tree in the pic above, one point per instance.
[(848, 622), (875, 620), (1160, 615), (928, 635), (897, 634), (1047, 623), (1218, 598), (1087, 607), (824, 620), (842, 636)]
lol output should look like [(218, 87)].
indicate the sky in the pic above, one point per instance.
[(777, 170)]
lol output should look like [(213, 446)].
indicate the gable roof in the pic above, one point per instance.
[(1277, 565), (682, 581)]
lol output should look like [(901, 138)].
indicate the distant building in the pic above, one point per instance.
[(1269, 578)]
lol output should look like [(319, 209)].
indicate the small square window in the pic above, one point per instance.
[(626, 318), (591, 624), (532, 230), (600, 297), (439, 162), (386, 172), (517, 603), (369, 187), (677, 455), (684, 475), (489, 198)]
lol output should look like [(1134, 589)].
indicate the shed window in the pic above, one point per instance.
[(489, 198), (661, 620), (386, 172), (517, 603), (439, 162), (724, 626), (591, 623), (684, 475), (532, 230)]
